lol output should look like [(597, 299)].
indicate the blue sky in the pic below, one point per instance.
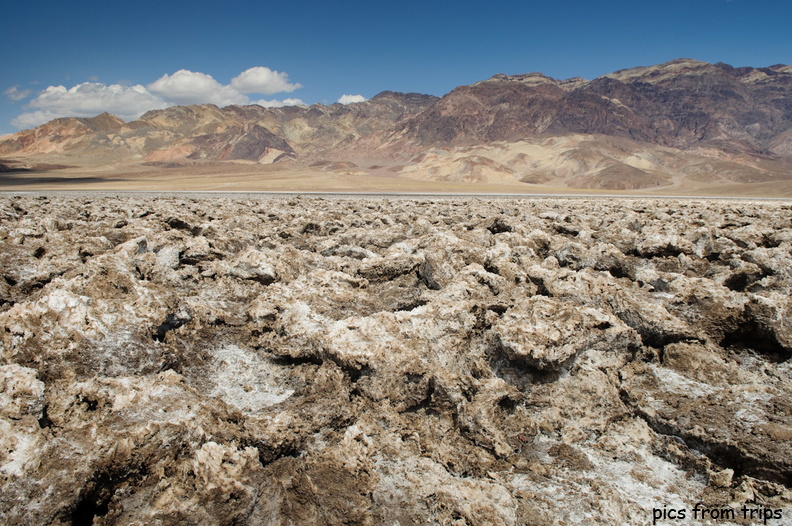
[(62, 58)]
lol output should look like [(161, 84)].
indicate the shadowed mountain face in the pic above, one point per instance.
[(635, 128)]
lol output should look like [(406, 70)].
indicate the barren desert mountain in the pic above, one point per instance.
[(679, 104), (206, 131), (672, 125)]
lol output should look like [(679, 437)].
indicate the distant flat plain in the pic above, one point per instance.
[(243, 177)]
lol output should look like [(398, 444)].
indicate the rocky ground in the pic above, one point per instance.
[(232, 360)]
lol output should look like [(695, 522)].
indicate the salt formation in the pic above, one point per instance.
[(230, 360)]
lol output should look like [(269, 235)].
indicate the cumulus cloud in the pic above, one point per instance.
[(263, 80), (31, 119), (14, 93), (350, 99), (279, 103), (189, 87), (130, 102), (87, 100)]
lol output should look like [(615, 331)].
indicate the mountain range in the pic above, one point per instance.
[(681, 122)]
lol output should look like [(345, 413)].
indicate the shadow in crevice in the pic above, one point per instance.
[(721, 453), (97, 494), (750, 336)]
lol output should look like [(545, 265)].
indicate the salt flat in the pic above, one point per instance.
[(269, 358), (246, 177)]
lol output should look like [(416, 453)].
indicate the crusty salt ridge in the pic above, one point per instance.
[(371, 361)]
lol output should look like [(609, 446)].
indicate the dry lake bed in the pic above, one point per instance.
[(241, 359)]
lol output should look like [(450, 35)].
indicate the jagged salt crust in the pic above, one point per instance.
[(229, 360)]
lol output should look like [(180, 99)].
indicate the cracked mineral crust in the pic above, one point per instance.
[(286, 360)]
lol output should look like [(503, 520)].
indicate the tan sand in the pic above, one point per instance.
[(244, 177)]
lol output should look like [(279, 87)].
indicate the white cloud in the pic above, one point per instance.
[(189, 87), (130, 102), (16, 94), (351, 99), (32, 119), (279, 103), (263, 80), (87, 100)]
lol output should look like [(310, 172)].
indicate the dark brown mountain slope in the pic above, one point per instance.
[(681, 104)]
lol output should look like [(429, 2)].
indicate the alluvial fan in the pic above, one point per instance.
[(239, 360)]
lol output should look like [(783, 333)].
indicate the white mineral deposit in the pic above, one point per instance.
[(260, 360)]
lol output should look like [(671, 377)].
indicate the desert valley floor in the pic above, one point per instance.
[(239, 177), (243, 359)]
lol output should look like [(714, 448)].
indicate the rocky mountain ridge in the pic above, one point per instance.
[(681, 104), (635, 128)]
